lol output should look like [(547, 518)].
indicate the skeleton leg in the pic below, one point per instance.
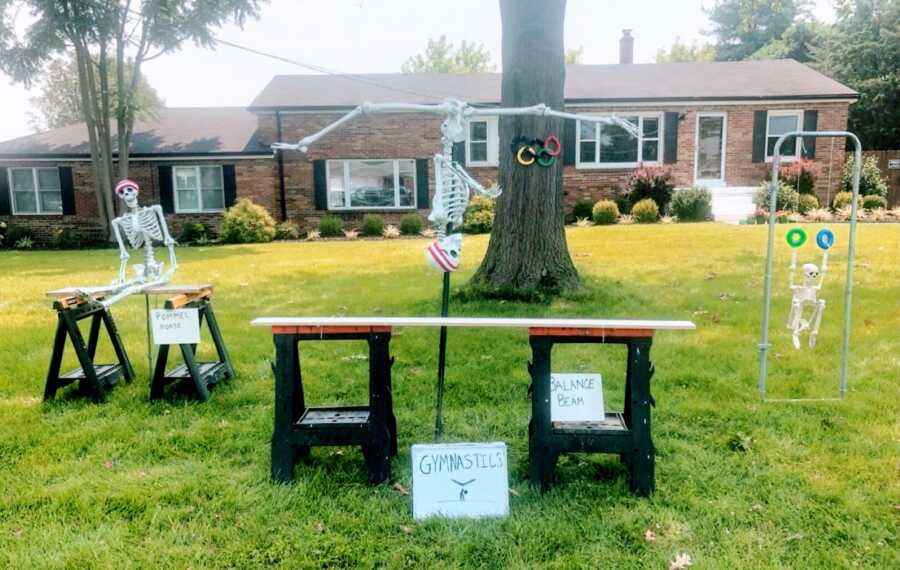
[(816, 320), (795, 322)]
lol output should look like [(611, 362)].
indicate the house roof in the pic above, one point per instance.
[(696, 81), (174, 131)]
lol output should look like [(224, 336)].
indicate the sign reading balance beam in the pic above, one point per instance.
[(175, 326), (576, 398), (460, 480)]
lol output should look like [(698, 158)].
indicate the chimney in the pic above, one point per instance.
[(626, 47)]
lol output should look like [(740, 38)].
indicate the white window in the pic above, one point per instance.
[(600, 145), (778, 123), (199, 189), (482, 141), (35, 191), (383, 184)]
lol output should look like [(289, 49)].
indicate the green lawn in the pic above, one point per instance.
[(740, 483)]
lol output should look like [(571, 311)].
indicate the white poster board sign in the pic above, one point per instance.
[(460, 480), (175, 326), (576, 398), (894, 163)]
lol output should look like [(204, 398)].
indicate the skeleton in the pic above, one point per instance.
[(806, 295), (452, 183), (141, 226)]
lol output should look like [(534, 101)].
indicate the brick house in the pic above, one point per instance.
[(713, 123)]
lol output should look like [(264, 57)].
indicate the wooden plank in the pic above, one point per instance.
[(167, 289), (473, 322), (183, 299)]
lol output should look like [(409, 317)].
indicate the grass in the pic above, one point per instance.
[(740, 483)]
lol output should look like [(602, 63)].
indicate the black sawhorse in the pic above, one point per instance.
[(626, 433), (195, 377), (93, 379), (298, 427)]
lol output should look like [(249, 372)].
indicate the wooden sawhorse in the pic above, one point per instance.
[(626, 433), (196, 377), (93, 379), (299, 427)]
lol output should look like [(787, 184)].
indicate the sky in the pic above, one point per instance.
[(375, 36)]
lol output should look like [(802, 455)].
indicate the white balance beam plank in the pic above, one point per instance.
[(472, 322)]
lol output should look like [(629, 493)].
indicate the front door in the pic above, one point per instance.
[(709, 157)]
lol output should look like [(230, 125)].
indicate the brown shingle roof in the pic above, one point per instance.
[(177, 130), (744, 80)]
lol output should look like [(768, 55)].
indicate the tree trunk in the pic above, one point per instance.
[(527, 250)]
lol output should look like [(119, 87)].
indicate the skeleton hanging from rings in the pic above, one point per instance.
[(805, 297), (139, 227), (452, 183)]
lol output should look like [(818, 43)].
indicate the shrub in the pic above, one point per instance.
[(583, 223), (819, 215), (841, 200), (331, 226), (351, 234), (645, 211), (581, 209), (287, 230), (372, 225), (2, 233), (411, 224), (313, 235), (870, 181), (479, 216), (66, 238), (246, 222), (15, 233), (24, 243), (874, 202), (807, 203), (605, 212), (391, 232), (653, 182), (691, 204), (786, 198), (800, 174), (193, 232)]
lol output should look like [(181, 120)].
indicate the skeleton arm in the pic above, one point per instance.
[(123, 252), (792, 268), (824, 269), (543, 110), (167, 241)]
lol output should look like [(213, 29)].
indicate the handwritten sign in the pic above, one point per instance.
[(894, 163), (460, 480), (576, 398), (175, 326)]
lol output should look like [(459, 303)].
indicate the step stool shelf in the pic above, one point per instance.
[(346, 417)]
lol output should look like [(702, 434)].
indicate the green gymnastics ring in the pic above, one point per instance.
[(796, 237), (546, 160)]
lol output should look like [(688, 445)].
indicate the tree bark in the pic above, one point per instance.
[(527, 251)]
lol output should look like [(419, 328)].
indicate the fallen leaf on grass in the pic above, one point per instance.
[(108, 464), (795, 536), (682, 560), (711, 275), (320, 528), (649, 536), (513, 492), (756, 508), (725, 296), (18, 533), (406, 529), (869, 322), (401, 489), (715, 318)]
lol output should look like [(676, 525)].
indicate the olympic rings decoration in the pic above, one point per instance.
[(825, 238), (530, 151), (796, 237)]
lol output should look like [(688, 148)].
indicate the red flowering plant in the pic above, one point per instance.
[(650, 182), (800, 174)]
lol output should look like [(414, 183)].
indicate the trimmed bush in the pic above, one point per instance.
[(645, 211), (192, 232), (246, 222), (411, 224), (874, 202), (16, 233), (582, 209), (786, 198), (372, 225), (479, 216), (841, 200), (653, 182), (800, 174), (807, 203), (287, 230), (331, 226), (605, 212), (66, 238), (870, 181), (691, 204)]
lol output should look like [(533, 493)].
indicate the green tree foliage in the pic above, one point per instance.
[(575, 55), (862, 50), (797, 42), (442, 57), (743, 27), (683, 52), (59, 104)]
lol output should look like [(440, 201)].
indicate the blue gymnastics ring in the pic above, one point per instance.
[(825, 238)]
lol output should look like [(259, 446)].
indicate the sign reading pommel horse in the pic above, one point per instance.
[(374, 428)]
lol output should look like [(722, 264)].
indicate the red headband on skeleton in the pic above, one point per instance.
[(126, 184)]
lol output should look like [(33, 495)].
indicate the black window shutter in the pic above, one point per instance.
[(320, 185), (5, 207), (230, 184), (568, 142), (421, 183), (166, 192), (810, 123), (459, 152), (759, 136), (67, 190), (670, 137)]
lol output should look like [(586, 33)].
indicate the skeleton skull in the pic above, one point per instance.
[(128, 190), (810, 273)]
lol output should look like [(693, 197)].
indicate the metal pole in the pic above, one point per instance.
[(442, 361), (851, 259), (149, 344), (767, 288)]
